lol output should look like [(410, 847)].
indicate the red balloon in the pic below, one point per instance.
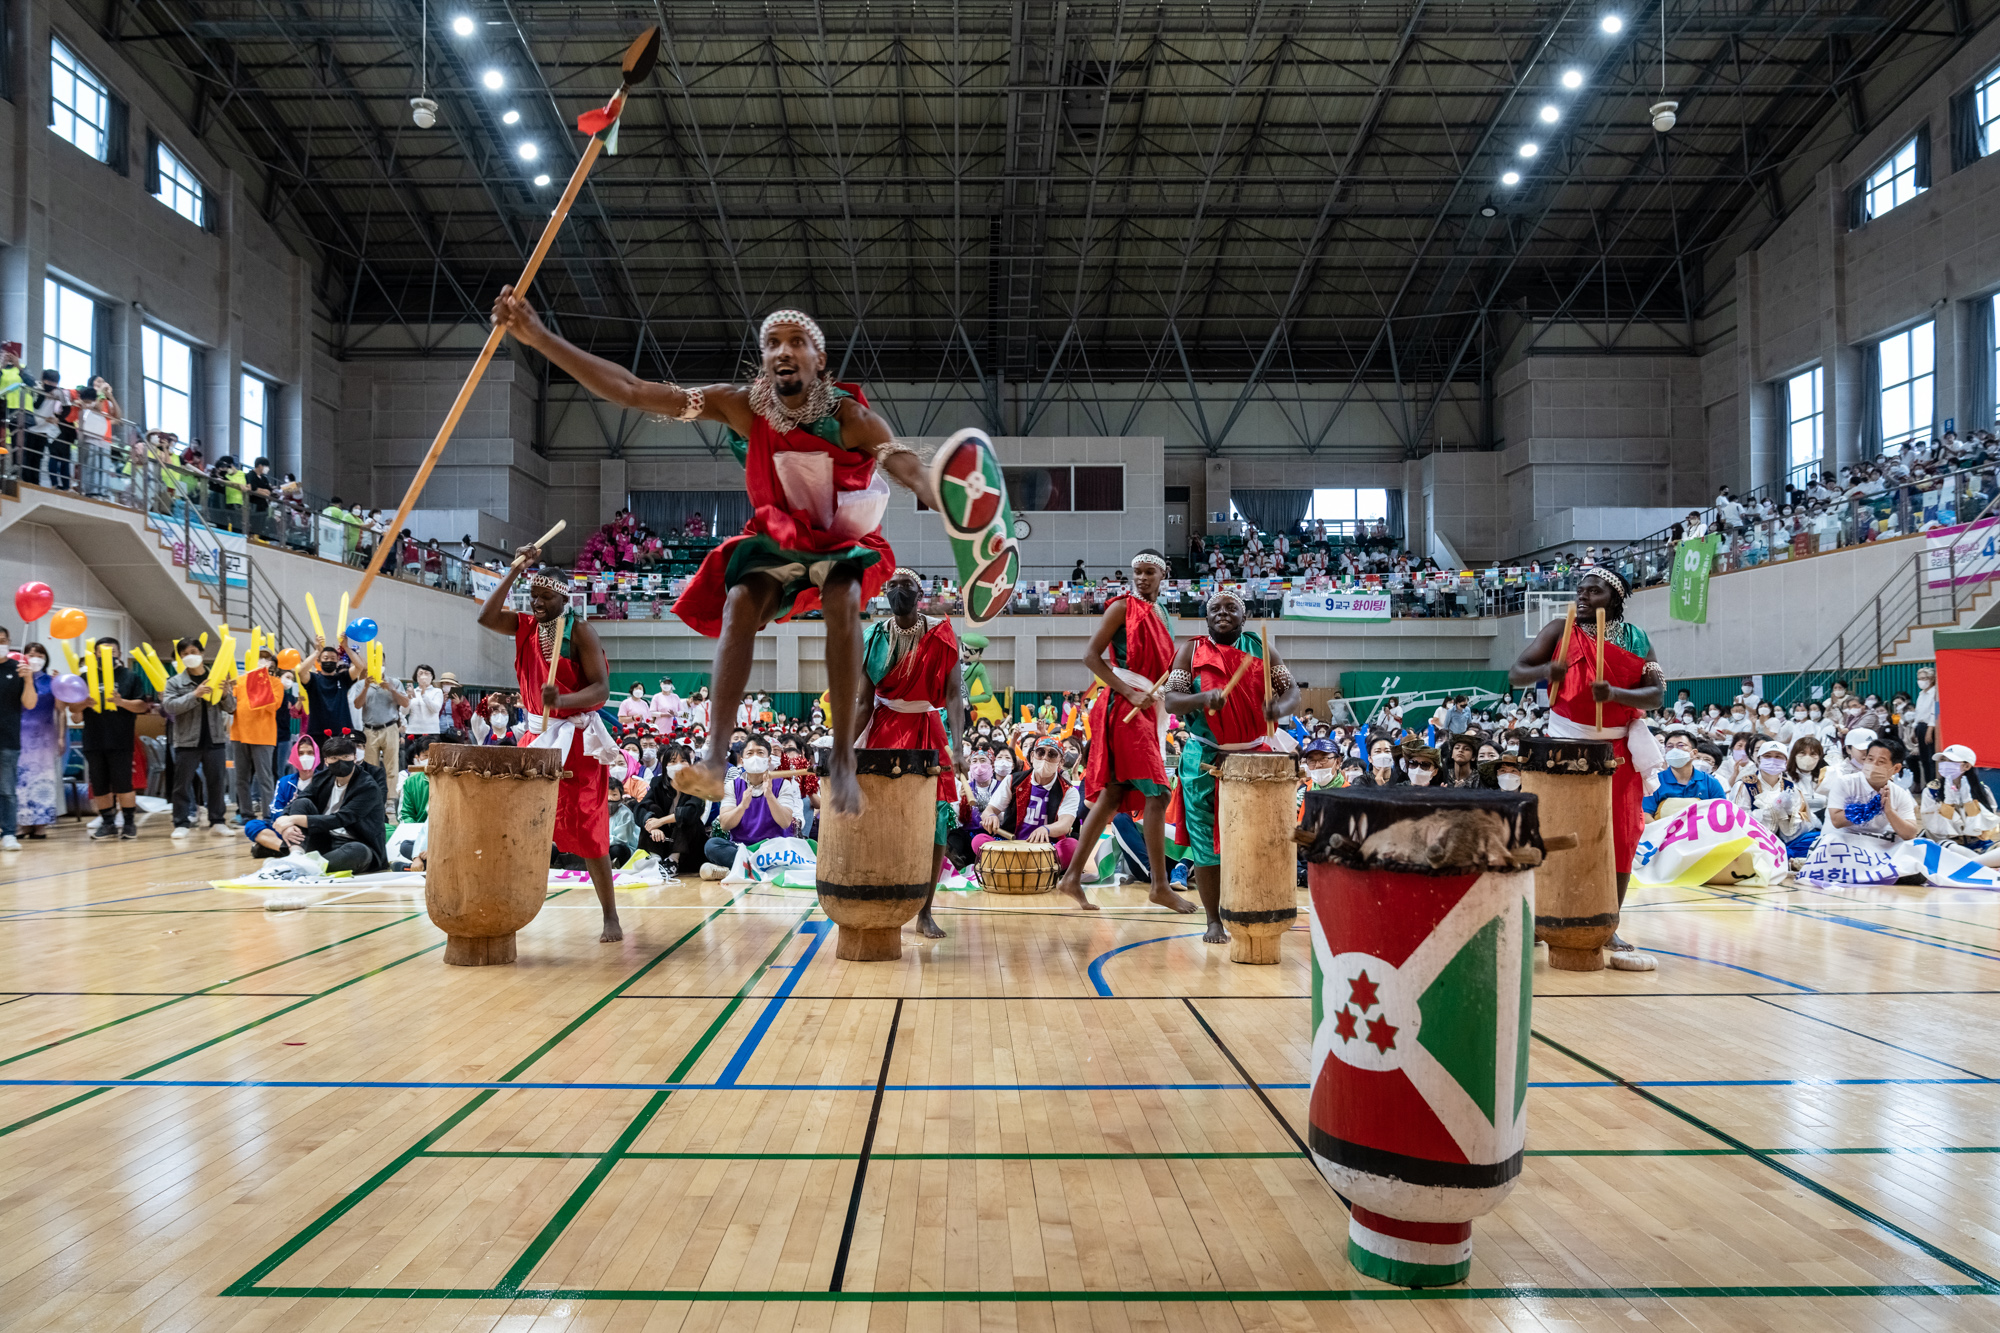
[(33, 600)]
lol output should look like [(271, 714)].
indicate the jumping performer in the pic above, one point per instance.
[(1218, 684), (813, 455), (568, 720), (1633, 682), (1128, 725), (911, 664)]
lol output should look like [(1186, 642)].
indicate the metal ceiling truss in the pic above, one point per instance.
[(1052, 205)]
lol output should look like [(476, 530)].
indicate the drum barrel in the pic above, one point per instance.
[(874, 869), (1256, 804), (1576, 890), (493, 817), (1423, 953)]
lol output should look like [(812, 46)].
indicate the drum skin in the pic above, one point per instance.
[(874, 870), (493, 819), (1256, 803), (1423, 958), (1017, 867), (1576, 891)]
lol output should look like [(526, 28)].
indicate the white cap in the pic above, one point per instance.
[(1772, 747), (1962, 753), (1859, 739)]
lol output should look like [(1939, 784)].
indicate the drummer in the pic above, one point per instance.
[(1227, 713), (1130, 653), (1038, 806), (1633, 683), (567, 720), (911, 662)]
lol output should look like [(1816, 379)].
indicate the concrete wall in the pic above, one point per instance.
[(231, 287)]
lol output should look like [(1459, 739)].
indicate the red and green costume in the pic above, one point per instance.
[(909, 694), (817, 504), (1130, 748), (1575, 718), (583, 809), (1236, 727)]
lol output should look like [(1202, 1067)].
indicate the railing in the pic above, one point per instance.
[(1931, 589)]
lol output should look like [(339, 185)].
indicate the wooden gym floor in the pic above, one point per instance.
[(219, 1118)]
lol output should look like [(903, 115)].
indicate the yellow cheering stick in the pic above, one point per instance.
[(375, 660), (341, 628), (90, 679), (149, 662), (224, 668), (75, 666), (312, 609)]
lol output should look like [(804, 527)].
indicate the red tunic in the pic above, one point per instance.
[(923, 676), (1127, 749), (780, 527), (1625, 670), (583, 809)]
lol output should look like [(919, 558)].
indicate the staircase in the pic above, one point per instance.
[(224, 573), (1928, 592)]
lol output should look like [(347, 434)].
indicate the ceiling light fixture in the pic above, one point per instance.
[(541, 180), (1612, 24), (511, 118), (1572, 79), (528, 152), (1530, 149), (1550, 115), (494, 79), (1488, 210), (1511, 178), (462, 25)]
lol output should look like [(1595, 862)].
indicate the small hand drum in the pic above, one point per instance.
[(1017, 867)]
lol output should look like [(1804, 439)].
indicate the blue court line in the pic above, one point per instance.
[(74, 907), (730, 1072), (340, 1084), (1816, 914), (1096, 969), (1716, 962)]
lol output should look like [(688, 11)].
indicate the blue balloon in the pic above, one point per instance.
[(363, 630)]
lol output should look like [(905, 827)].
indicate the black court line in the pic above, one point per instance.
[(1906, 1050), (867, 1149), (1799, 1178), (1254, 1085), (183, 994)]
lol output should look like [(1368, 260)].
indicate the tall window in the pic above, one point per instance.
[(1368, 506), (1986, 112), (1896, 183), (1805, 414), (69, 332), (168, 370), (79, 103), (256, 419), (178, 187), (1908, 381)]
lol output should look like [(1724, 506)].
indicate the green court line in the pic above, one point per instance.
[(1938, 1253), (1235, 1295), (246, 1284), (23, 1123), (546, 1238), (188, 995)]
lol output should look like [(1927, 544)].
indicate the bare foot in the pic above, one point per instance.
[(843, 793), (702, 778), (1164, 896), (613, 932), (928, 928), (1073, 890), (1215, 934)]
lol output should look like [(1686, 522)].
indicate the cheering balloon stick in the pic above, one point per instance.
[(107, 676), (149, 662), (90, 679), (312, 609)]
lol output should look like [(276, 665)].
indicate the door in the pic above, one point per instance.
[(1177, 527)]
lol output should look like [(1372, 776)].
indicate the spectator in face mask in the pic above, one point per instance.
[(1681, 779), (755, 808), (500, 727), (1507, 772), (1773, 800), (1421, 764), (1807, 770), (1382, 770), (1956, 804)]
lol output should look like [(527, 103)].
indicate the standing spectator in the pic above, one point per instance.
[(262, 486), (197, 728), (51, 401), (15, 395), (425, 713), (1924, 719), (108, 734), (380, 704), (17, 693), (329, 676), (634, 708), (253, 737), (44, 741)]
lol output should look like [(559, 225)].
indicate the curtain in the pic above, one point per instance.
[(667, 511), (1965, 147), (1923, 142), (1869, 442), (1273, 511), (1857, 205), (1396, 524), (1979, 397)]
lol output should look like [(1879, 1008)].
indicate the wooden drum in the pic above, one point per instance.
[(1017, 867), (493, 818), (1422, 964), (1576, 894), (1256, 801), (874, 871)]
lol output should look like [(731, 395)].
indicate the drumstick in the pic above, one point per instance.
[(1132, 710), (542, 541), (1600, 664), (1268, 727), (1562, 647), (1243, 667)]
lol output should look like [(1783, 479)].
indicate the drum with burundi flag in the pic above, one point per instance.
[(979, 522), (1423, 954)]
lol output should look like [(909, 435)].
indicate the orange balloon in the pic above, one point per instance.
[(68, 623), (289, 658)]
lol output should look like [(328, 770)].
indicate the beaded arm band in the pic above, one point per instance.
[(691, 412), (1180, 682), (1281, 678)]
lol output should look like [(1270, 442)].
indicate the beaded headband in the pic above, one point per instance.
[(1223, 598), (1145, 558), (798, 317), (552, 579), (1610, 576)]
